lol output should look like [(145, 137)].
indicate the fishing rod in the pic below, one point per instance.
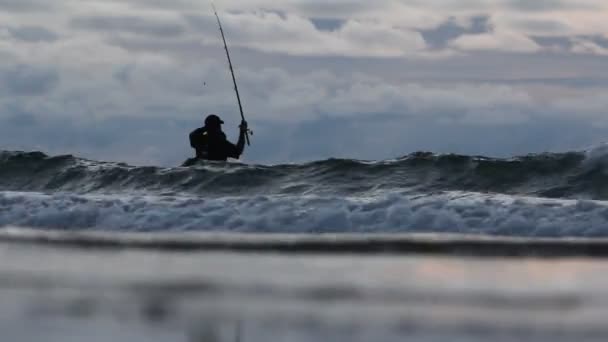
[(236, 88)]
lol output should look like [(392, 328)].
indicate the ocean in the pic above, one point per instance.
[(542, 195), (426, 247)]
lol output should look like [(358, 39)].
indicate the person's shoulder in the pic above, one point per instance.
[(198, 131)]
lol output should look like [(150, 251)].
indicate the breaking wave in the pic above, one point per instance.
[(575, 175), (450, 212), (542, 195)]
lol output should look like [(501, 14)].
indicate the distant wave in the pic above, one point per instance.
[(580, 175)]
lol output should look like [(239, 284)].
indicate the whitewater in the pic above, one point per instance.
[(540, 195)]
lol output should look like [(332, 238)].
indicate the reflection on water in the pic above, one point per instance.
[(212, 333), (63, 315), (72, 295)]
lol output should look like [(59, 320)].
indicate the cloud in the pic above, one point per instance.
[(440, 36), (496, 41), (33, 34), (591, 107), (129, 24), (23, 80), (345, 28), (588, 46), (554, 42), (327, 24), (297, 35), (128, 79), (541, 26), (543, 5), (26, 5), (154, 104)]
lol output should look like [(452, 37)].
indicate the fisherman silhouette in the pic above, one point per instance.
[(210, 141)]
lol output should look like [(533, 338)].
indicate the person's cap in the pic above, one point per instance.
[(213, 120)]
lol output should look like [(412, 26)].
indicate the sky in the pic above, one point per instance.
[(127, 80)]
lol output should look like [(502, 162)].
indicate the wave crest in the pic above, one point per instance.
[(554, 175)]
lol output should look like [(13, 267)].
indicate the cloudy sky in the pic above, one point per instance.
[(127, 80)]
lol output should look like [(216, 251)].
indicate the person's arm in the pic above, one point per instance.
[(240, 145), (235, 151)]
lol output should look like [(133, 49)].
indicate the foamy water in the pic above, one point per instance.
[(451, 212)]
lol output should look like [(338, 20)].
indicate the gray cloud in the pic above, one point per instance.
[(542, 25), (299, 35), (337, 9), (176, 48), (33, 34), (174, 5), (440, 36), (600, 40), (568, 43), (123, 73), (129, 24), (26, 80), (564, 43), (27, 5), (327, 24), (548, 5)]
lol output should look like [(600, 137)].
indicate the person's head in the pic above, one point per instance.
[(213, 123)]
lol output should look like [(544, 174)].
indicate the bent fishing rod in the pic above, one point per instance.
[(236, 88)]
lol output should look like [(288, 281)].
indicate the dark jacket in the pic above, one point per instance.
[(213, 145)]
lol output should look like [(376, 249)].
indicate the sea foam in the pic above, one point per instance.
[(395, 212)]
